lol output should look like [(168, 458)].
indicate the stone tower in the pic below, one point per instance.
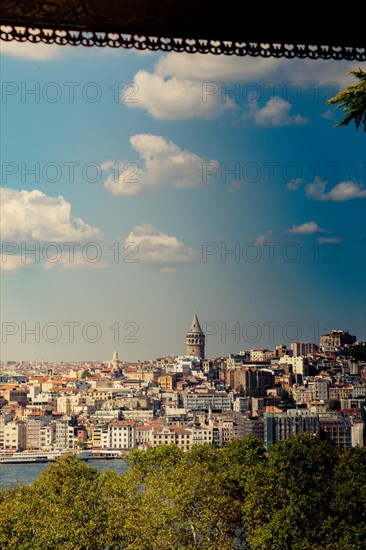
[(195, 340)]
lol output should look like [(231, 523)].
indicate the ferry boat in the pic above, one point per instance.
[(25, 457), (108, 454)]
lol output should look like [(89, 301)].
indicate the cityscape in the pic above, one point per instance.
[(106, 409), (183, 268)]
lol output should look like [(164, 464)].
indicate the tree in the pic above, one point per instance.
[(334, 405), (359, 352), (63, 508), (304, 494), (288, 496), (170, 499), (236, 460), (86, 374), (287, 400), (345, 526), (258, 392), (353, 100)]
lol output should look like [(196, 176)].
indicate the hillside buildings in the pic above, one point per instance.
[(185, 400)]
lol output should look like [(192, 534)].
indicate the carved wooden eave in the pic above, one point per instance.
[(194, 26)]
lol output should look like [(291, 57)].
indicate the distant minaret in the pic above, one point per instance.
[(195, 340), (114, 363)]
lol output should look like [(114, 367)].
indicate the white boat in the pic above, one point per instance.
[(24, 457)]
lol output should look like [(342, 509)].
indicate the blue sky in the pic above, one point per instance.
[(155, 167)]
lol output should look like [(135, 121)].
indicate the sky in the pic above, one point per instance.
[(140, 187)]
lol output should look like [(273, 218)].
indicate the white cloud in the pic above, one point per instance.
[(34, 216), (321, 76), (13, 262), (163, 164), (35, 227), (157, 249), (293, 185), (185, 86), (329, 240), (305, 228), (38, 51), (236, 186), (214, 67), (275, 113), (263, 238), (344, 191), (80, 260), (328, 115), (173, 99)]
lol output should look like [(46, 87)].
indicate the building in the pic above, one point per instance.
[(167, 381), (336, 428), (218, 401), (34, 425), (358, 434), (99, 436), (202, 435), (64, 435), (284, 425), (299, 364), (156, 434), (249, 379), (14, 394), (303, 348), (241, 404), (195, 340), (303, 394), (321, 387), (121, 434), (15, 436), (260, 355), (336, 339)]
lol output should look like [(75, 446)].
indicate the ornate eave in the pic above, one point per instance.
[(184, 26)]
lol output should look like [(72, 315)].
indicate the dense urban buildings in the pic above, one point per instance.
[(113, 406)]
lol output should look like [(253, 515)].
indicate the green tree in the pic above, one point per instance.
[(288, 495), (304, 494), (85, 374), (353, 100), (157, 459), (63, 508), (359, 352), (287, 400), (334, 405), (258, 392), (15, 506), (345, 528), (169, 499), (236, 460)]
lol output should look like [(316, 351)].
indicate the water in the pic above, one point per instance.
[(27, 473)]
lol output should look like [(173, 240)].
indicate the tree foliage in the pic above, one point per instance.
[(304, 494), (334, 405), (85, 374), (353, 101), (287, 399), (63, 508), (359, 352)]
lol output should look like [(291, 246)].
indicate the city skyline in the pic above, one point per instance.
[(176, 182), (196, 348)]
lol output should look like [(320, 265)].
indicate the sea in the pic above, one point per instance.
[(25, 474)]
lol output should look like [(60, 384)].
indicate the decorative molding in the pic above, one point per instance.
[(216, 47)]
